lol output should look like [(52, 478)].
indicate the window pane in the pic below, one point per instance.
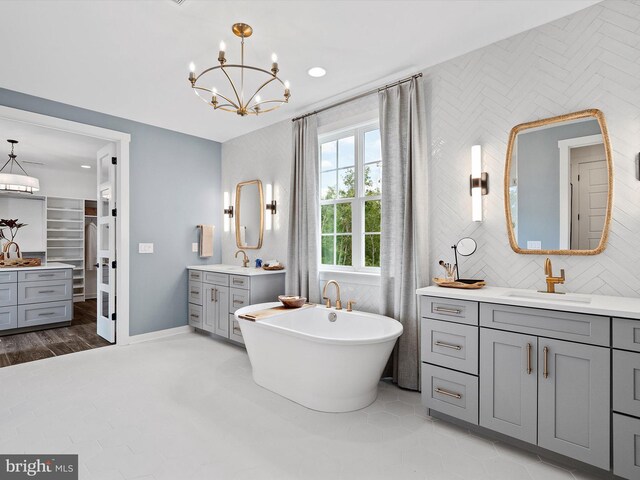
[(328, 156), (373, 179), (343, 250), (328, 190), (372, 250), (326, 218), (343, 218), (346, 152), (346, 183), (372, 146), (372, 216), (327, 249)]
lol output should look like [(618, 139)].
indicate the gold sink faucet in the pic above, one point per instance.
[(551, 280), (245, 260), (327, 299)]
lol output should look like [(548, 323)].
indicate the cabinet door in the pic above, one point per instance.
[(222, 315), (508, 384), (574, 400), (210, 308)]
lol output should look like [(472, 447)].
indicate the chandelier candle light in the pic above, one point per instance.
[(238, 102), (16, 182)]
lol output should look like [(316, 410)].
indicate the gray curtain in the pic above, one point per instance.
[(404, 250), (302, 257)]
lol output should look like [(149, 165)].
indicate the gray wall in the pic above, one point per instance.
[(175, 185), (538, 163)]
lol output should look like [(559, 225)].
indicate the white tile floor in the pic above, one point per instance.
[(186, 408)]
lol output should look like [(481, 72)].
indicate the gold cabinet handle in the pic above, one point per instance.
[(448, 394), (447, 345), (212, 297), (529, 370), (193, 315), (453, 311), (193, 292), (545, 370), (238, 302)]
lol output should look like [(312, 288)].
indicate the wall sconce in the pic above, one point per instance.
[(271, 205), (478, 183), (228, 212)]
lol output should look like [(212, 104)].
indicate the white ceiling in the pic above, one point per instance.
[(130, 58), (52, 148)]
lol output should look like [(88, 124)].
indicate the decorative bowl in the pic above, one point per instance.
[(290, 301)]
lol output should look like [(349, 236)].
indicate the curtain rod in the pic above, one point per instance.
[(357, 97)]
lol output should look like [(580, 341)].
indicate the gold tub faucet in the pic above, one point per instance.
[(327, 299)]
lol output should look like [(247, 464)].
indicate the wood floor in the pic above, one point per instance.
[(80, 335)]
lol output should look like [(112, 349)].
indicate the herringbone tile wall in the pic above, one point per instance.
[(590, 59)]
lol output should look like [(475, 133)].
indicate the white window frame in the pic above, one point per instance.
[(357, 203)]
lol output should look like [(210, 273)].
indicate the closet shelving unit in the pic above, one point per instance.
[(65, 238)]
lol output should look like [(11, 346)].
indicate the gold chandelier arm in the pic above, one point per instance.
[(233, 85), (217, 95), (258, 91)]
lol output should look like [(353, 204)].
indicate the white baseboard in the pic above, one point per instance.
[(169, 332)]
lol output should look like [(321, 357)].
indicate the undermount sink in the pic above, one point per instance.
[(551, 297)]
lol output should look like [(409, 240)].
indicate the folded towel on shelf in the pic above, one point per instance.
[(269, 312), (205, 248)]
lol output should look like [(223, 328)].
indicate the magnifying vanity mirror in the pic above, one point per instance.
[(249, 214), (558, 185), (465, 247)]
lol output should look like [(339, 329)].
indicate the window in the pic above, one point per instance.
[(350, 192)]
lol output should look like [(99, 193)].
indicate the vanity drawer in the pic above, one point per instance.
[(449, 392), (626, 446), (592, 329), (450, 345), (235, 333), (195, 315), (44, 313), (8, 277), (47, 291), (8, 294), (237, 299), (237, 281), (195, 275), (626, 382), (216, 278), (40, 275), (195, 292), (8, 318), (461, 311), (626, 334)]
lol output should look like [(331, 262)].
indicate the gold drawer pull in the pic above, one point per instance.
[(48, 314), (453, 311), (194, 292), (46, 275), (448, 345), (238, 302), (528, 359), (238, 282), (193, 315), (46, 291), (448, 394)]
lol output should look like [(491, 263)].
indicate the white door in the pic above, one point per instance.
[(106, 287)]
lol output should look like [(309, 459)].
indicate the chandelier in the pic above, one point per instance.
[(16, 182), (236, 100)]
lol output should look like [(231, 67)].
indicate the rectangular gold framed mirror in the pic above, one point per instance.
[(249, 215), (558, 185)]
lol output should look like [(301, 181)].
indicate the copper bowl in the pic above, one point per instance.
[(290, 301)]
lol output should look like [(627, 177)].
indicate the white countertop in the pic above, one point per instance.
[(234, 270), (47, 266), (624, 307)]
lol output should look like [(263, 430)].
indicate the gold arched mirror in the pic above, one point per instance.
[(558, 185), (249, 214)]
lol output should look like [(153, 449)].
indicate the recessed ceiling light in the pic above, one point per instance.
[(317, 72), (85, 166)]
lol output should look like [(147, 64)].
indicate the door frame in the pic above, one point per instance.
[(122, 141), (565, 146)]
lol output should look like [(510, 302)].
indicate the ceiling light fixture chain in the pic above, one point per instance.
[(254, 105)]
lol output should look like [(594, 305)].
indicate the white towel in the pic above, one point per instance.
[(206, 240), (90, 246)]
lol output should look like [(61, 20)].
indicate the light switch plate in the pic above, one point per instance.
[(194, 247), (145, 248), (534, 245)]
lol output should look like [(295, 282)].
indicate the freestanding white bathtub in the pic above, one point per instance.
[(331, 366)]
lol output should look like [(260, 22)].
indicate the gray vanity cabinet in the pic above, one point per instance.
[(574, 404), (509, 384), (216, 306)]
